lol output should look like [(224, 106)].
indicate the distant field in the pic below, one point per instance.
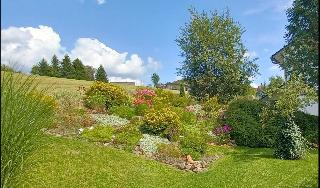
[(55, 84)]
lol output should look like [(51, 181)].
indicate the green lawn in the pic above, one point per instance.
[(64, 162)]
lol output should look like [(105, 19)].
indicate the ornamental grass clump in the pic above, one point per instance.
[(25, 110)]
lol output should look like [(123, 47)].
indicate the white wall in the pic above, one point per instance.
[(312, 109)]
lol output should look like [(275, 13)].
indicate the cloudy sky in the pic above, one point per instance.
[(131, 39)]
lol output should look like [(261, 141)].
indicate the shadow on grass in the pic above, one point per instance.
[(250, 154)]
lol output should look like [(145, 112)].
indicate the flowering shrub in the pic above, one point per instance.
[(212, 108), (221, 134), (110, 120), (112, 94), (196, 110), (163, 122), (225, 129), (144, 96), (149, 143)]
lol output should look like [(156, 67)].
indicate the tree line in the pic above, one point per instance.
[(69, 69)]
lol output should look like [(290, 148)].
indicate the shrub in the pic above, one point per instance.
[(243, 115), (144, 96), (24, 112), (212, 108), (290, 143), (149, 143), (96, 101), (196, 110), (141, 109), (193, 143), (185, 116), (68, 100), (123, 111), (128, 136), (167, 98), (308, 125), (111, 95), (110, 120), (164, 122), (169, 150), (98, 134), (221, 134)]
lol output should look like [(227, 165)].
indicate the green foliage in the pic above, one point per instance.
[(162, 121), (96, 101), (42, 68), (289, 143), (214, 56), (141, 109), (243, 115), (193, 143), (7, 68), (128, 136), (149, 143), (169, 150), (90, 71), (166, 98), (67, 70), (24, 112), (181, 90), (79, 69), (123, 111), (185, 116), (309, 126), (101, 75), (155, 79), (112, 94), (301, 55), (212, 108), (99, 134), (55, 67)]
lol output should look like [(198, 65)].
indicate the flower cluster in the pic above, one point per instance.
[(225, 129), (144, 96), (195, 109)]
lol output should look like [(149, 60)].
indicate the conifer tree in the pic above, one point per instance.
[(79, 70), (101, 74), (55, 67), (67, 70)]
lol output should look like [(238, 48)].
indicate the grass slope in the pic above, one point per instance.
[(65, 162)]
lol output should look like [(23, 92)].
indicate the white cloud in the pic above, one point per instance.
[(275, 6), (100, 2), (27, 45)]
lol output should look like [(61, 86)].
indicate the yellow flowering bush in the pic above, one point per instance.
[(105, 94), (163, 121)]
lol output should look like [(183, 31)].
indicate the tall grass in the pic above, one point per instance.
[(24, 112)]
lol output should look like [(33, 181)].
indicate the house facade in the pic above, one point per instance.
[(277, 58)]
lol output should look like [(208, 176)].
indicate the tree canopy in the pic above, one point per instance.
[(215, 61), (101, 74), (302, 38), (155, 78)]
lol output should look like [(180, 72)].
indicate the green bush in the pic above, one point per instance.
[(164, 122), (96, 101), (243, 115), (169, 150), (194, 144), (123, 111), (128, 136), (24, 112), (185, 116), (112, 95), (99, 134), (308, 125), (289, 144), (166, 98), (141, 109)]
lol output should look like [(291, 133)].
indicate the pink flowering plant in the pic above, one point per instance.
[(144, 96), (221, 134)]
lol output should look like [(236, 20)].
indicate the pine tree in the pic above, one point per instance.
[(79, 70), (90, 71), (101, 74), (67, 70), (44, 68), (55, 67)]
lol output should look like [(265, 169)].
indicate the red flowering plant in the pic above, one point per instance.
[(144, 96)]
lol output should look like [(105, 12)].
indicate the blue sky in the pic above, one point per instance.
[(132, 39)]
